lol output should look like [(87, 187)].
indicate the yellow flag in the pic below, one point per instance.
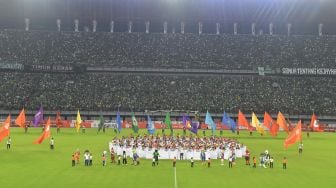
[(78, 121), (256, 124)]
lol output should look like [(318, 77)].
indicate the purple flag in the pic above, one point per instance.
[(190, 125), (38, 117), (184, 120)]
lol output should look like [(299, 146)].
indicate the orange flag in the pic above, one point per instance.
[(272, 126), (58, 120), (242, 121), (314, 125), (21, 119), (4, 130), (281, 121), (293, 136), (45, 134)]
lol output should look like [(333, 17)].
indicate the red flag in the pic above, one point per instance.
[(293, 136), (268, 121), (274, 129), (242, 121), (45, 134), (58, 120), (281, 121), (314, 125), (271, 124), (21, 119), (4, 130)]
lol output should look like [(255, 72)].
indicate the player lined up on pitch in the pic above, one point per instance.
[(265, 159)]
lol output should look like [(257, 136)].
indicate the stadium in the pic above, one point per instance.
[(170, 93)]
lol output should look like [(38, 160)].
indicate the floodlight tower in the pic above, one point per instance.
[(165, 27), (320, 27), (94, 26), (217, 28), (76, 22), (253, 26), (235, 32), (58, 24), (112, 26), (200, 28), (130, 25), (182, 27), (289, 29), (27, 24), (147, 26)]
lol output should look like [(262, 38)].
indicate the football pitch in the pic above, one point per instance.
[(30, 165)]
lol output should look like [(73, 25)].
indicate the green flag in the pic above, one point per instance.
[(101, 123), (168, 123), (135, 126)]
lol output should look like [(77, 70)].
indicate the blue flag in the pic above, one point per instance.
[(209, 121), (229, 122), (191, 126), (150, 125), (38, 117), (118, 121)]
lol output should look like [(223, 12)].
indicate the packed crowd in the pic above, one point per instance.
[(140, 92), (167, 50)]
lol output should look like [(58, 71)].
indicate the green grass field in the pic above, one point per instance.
[(29, 165)]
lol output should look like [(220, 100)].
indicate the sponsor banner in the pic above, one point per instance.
[(11, 66), (308, 71), (50, 68)]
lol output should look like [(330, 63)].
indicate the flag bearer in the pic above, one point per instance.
[(284, 163)]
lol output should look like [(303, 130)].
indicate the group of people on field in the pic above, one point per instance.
[(175, 142), (182, 147), (265, 158)]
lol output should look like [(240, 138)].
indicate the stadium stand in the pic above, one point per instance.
[(140, 92), (167, 50)]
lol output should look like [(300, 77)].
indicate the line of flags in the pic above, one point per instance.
[(271, 124)]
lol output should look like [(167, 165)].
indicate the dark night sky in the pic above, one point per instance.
[(303, 14)]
